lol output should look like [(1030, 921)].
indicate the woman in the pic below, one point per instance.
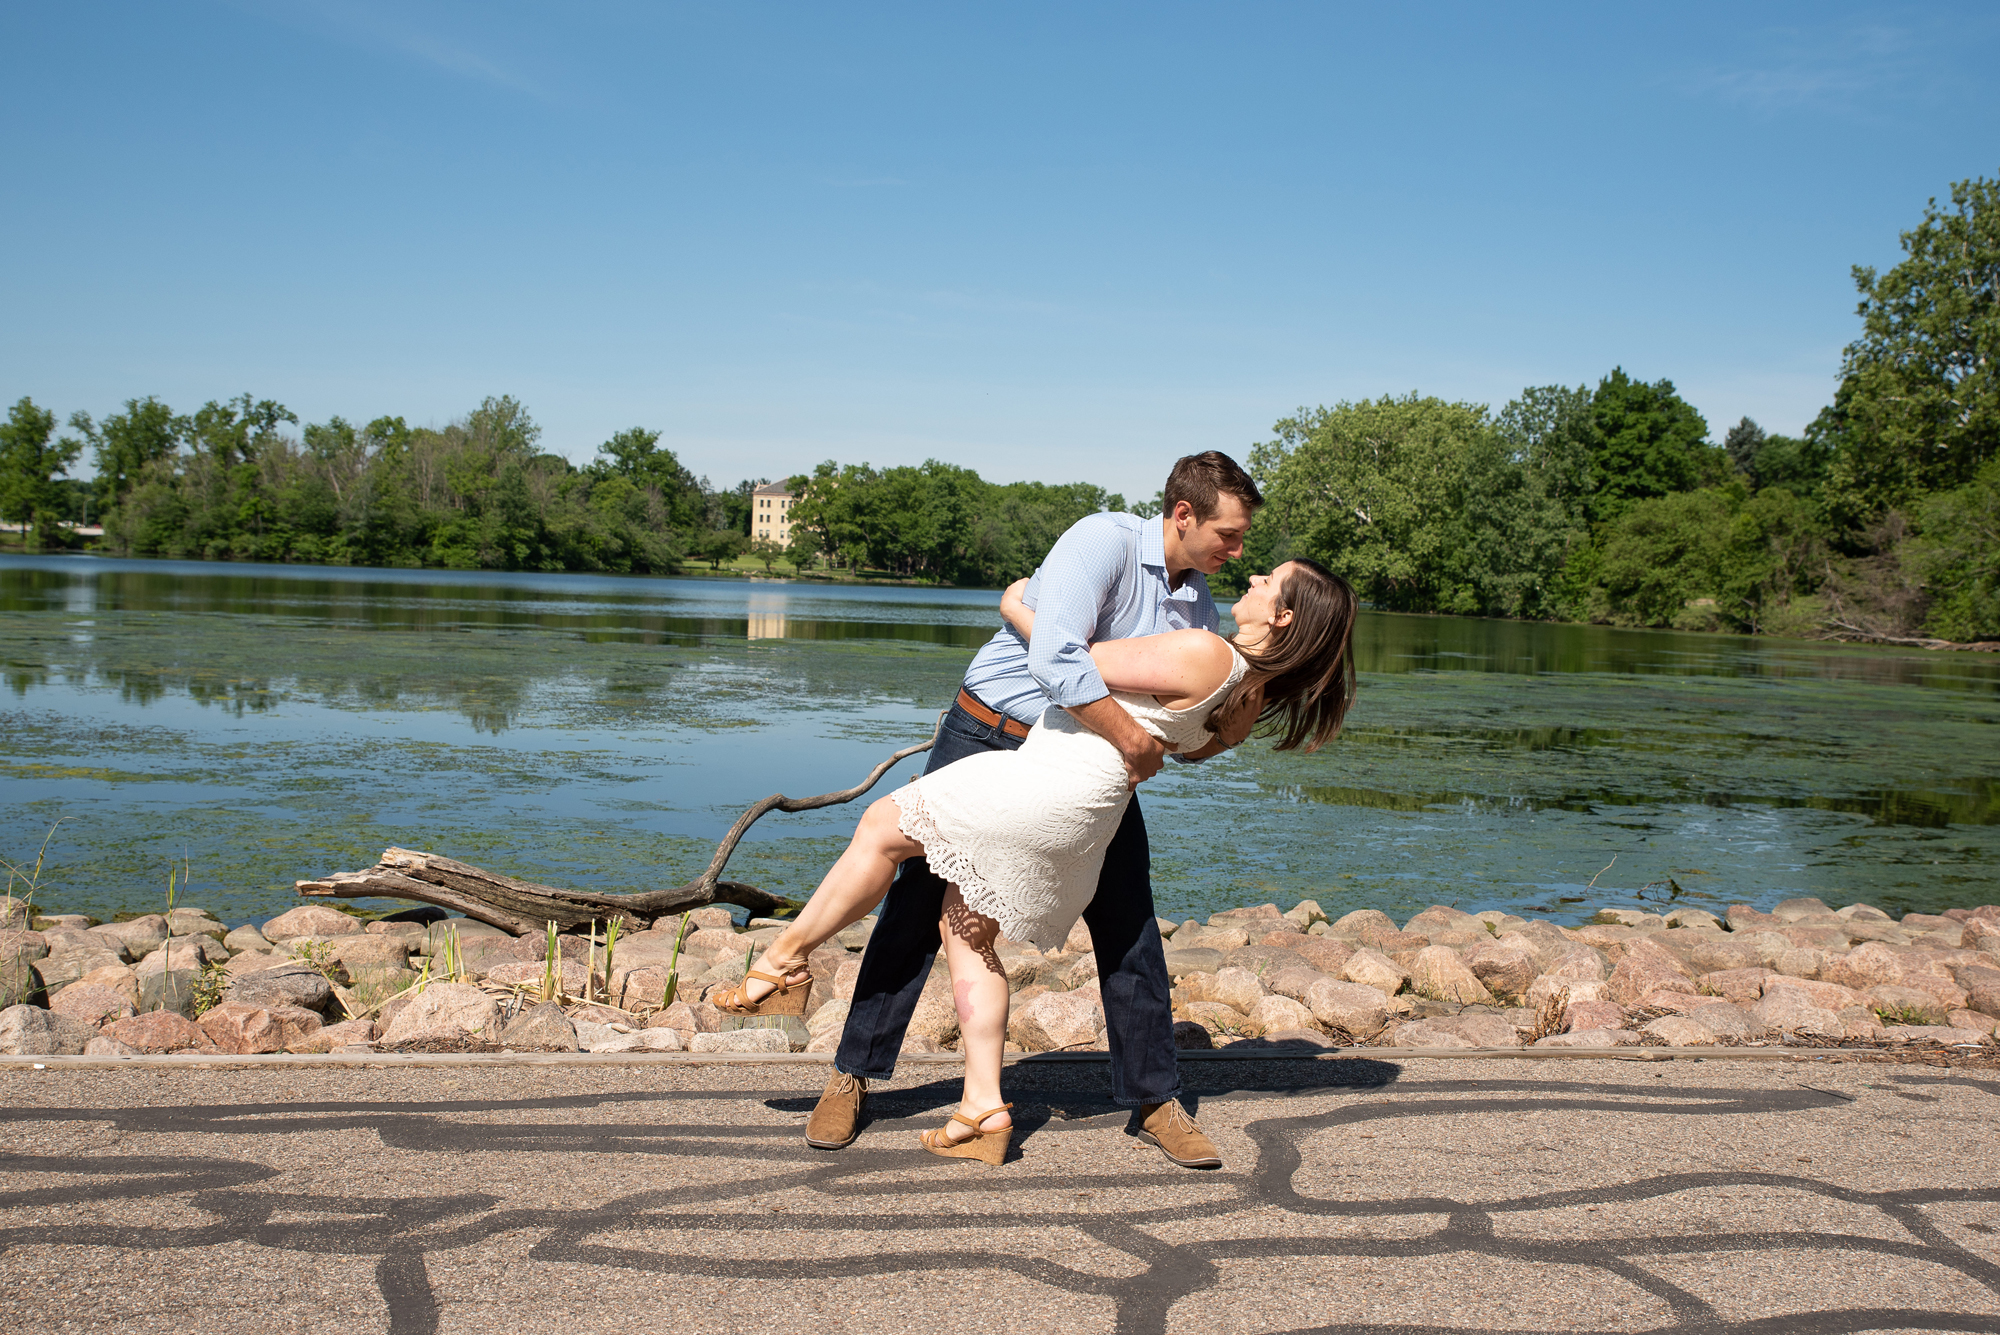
[(1020, 835)]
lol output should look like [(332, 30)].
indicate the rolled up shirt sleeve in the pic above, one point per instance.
[(1068, 595)]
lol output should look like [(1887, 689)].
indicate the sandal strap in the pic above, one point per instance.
[(778, 982), (974, 1122)]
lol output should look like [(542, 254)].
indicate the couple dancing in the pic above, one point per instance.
[(1025, 816)]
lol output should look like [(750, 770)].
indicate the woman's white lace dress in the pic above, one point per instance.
[(1022, 833)]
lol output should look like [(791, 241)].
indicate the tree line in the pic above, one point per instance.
[(233, 481), (1609, 503), (1614, 504)]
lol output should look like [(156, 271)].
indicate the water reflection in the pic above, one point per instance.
[(640, 610), (600, 731)]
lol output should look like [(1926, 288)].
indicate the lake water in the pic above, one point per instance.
[(270, 723)]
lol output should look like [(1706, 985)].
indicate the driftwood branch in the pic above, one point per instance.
[(1848, 631), (521, 907)]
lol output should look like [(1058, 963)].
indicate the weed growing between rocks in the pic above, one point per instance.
[(1549, 1019), (209, 986), (1907, 1015), (315, 955)]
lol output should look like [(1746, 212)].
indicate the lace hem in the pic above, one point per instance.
[(949, 864)]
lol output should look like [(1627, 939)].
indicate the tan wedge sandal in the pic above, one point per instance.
[(788, 998), (989, 1147)]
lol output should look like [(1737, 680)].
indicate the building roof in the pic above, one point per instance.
[(772, 489)]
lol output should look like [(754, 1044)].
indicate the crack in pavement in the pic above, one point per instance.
[(893, 1214)]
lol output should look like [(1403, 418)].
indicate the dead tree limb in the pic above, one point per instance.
[(521, 907)]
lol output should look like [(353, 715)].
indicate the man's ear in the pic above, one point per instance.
[(1184, 516)]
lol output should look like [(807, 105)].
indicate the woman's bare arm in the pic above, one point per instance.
[(1017, 613), (1182, 665), (1179, 668)]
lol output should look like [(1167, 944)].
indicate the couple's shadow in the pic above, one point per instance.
[(1049, 1092)]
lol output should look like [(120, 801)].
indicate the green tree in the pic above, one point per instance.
[(733, 509), (1764, 460), (235, 432), (802, 552), (1527, 503), (1713, 558), (1662, 561), (126, 443), (636, 454), (1376, 490), (501, 423), (1775, 554), (1958, 556), (1014, 525), (1650, 442), (1918, 408), (717, 545), (30, 459), (1741, 445)]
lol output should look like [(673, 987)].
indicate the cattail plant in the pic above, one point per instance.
[(454, 956), (674, 966), (610, 946), (551, 970)]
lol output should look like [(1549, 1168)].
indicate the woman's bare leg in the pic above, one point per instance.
[(854, 885), (979, 989)]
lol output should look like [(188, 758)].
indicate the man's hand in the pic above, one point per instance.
[(1143, 753)]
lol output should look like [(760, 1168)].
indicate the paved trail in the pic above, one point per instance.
[(1359, 1196)]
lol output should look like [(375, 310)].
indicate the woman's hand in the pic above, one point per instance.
[(1227, 731), (1233, 728), (1017, 613)]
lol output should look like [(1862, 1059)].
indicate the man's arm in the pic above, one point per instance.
[(1079, 571), (1142, 752)]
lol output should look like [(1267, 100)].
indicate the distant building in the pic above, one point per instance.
[(771, 513)]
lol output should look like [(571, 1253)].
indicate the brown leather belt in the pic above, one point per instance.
[(990, 717)]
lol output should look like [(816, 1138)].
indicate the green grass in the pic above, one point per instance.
[(751, 565), (1907, 1015)]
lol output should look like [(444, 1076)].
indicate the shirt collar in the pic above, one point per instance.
[(1153, 543), (1153, 552)]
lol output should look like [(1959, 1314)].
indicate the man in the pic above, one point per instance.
[(1111, 576)]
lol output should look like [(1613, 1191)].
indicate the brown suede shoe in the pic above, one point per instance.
[(836, 1121), (1178, 1136)]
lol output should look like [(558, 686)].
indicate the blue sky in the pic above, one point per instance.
[(1044, 241)]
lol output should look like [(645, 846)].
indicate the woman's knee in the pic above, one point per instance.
[(881, 828)]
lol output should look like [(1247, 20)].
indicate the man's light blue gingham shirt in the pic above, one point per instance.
[(1105, 579)]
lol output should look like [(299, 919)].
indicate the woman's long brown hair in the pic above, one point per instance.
[(1307, 666)]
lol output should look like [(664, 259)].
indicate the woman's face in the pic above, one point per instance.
[(1257, 610)]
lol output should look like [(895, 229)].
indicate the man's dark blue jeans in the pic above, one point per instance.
[(1131, 962)]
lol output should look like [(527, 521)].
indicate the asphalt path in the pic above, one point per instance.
[(1361, 1195)]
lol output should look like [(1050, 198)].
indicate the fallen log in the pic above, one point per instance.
[(521, 907)]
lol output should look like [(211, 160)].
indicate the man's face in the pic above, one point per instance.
[(1210, 543)]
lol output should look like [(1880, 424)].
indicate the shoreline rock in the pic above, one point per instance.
[(315, 979)]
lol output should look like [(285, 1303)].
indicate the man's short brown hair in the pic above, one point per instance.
[(1201, 479)]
